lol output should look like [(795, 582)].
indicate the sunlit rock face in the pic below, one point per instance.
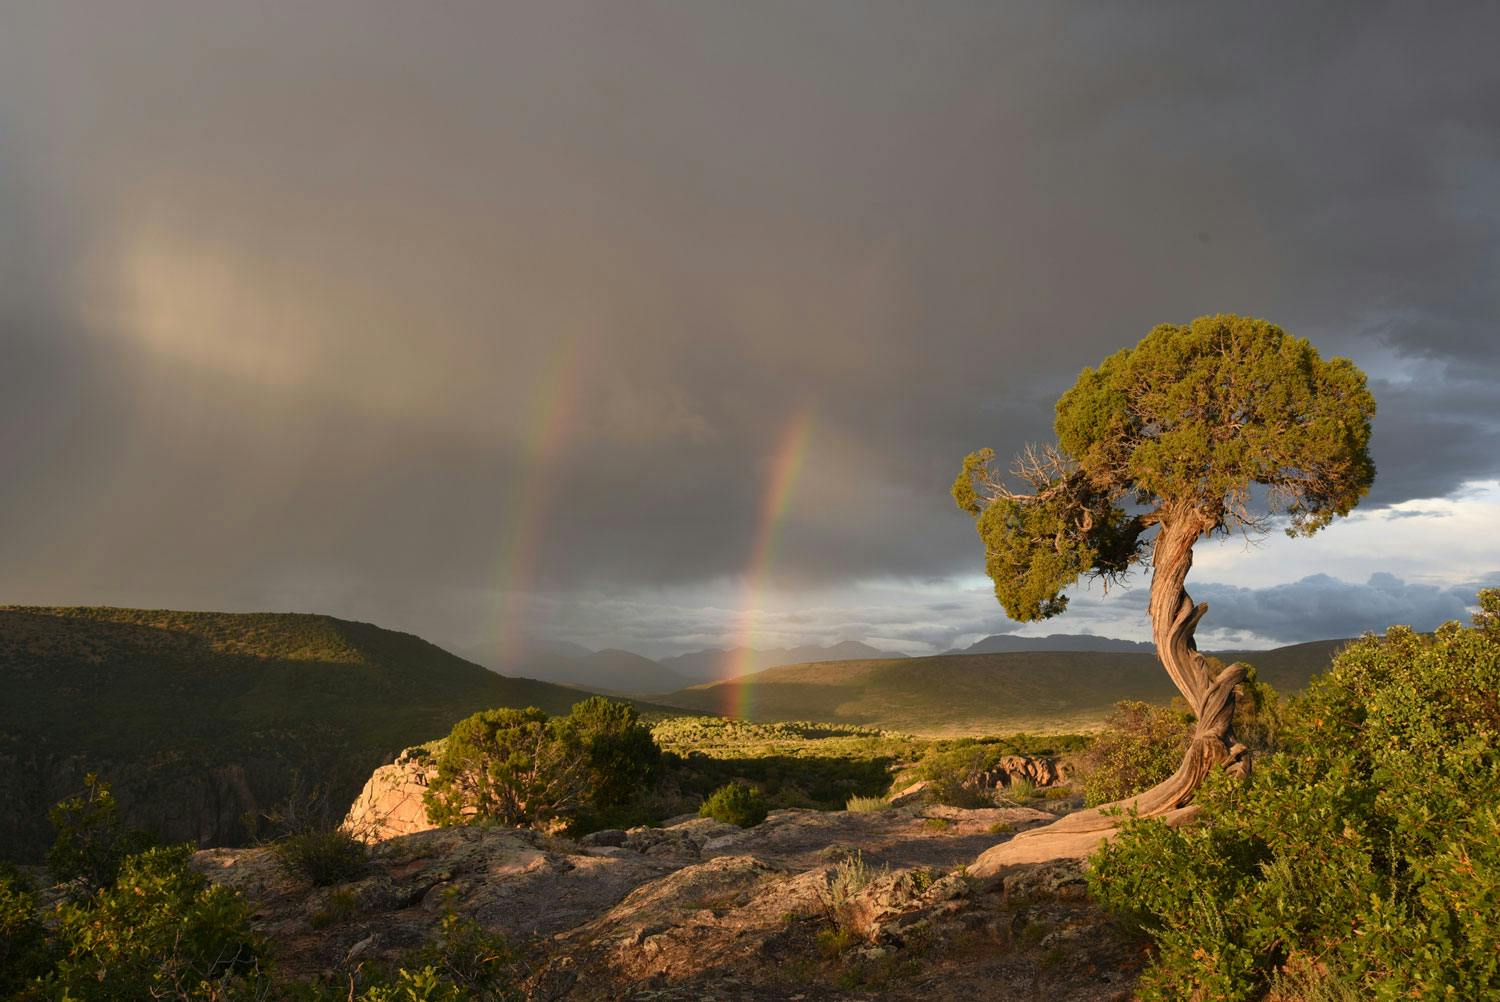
[(391, 802)]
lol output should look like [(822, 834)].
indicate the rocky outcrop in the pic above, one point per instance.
[(390, 804), (1036, 770), (696, 908)]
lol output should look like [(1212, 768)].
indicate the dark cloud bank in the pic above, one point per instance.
[(1319, 607), (286, 290)]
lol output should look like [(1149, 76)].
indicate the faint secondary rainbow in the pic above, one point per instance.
[(786, 463), (553, 413)]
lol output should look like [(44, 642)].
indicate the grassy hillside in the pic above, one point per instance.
[(973, 693), (199, 718)]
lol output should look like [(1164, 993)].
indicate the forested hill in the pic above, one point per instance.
[(200, 718), (976, 693)]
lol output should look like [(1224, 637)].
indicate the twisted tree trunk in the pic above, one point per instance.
[(1174, 618)]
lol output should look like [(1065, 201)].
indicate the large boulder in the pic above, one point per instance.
[(391, 802), (1035, 769)]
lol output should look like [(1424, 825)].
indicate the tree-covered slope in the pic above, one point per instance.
[(200, 718), (974, 693)]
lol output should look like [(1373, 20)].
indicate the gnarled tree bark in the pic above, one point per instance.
[(1174, 619)]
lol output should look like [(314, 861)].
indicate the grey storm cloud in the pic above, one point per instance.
[(379, 308), (1319, 606)]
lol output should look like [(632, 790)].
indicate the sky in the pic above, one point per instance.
[(666, 325)]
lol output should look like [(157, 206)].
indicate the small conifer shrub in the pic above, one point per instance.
[(735, 804), (325, 857)]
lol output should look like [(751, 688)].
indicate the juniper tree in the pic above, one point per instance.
[(1225, 424)]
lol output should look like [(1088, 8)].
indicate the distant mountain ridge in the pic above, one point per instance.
[(620, 671), (566, 663), (716, 663), (1006, 643)]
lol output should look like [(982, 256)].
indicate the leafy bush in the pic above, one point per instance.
[(161, 931), (624, 761), (24, 951), (326, 857), (1141, 745), (308, 838), (91, 839), (521, 767), (1362, 860), (735, 804), (481, 963), (953, 772)]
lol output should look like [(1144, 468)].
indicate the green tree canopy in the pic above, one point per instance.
[(1213, 426), (520, 767)]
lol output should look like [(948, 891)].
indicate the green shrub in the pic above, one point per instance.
[(953, 772), (1021, 790), (461, 963), (328, 857), (481, 963), (1361, 860), (521, 767), (508, 767), (25, 953), (735, 804), (836, 940), (867, 805), (91, 839), (624, 762), (161, 931), (1141, 745), (421, 985)]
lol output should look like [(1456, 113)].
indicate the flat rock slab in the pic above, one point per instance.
[(700, 909), (936, 837), (512, 880)]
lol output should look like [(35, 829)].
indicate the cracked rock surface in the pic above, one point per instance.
[(698, 909)]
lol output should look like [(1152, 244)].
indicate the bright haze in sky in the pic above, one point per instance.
[(666, 326)]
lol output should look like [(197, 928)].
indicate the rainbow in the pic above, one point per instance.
[(554, 409), (786, 463)]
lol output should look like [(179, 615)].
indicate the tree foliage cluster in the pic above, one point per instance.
[(1360, 861), (521, 767), (735, 804), (1213, 426), (92, 839)]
